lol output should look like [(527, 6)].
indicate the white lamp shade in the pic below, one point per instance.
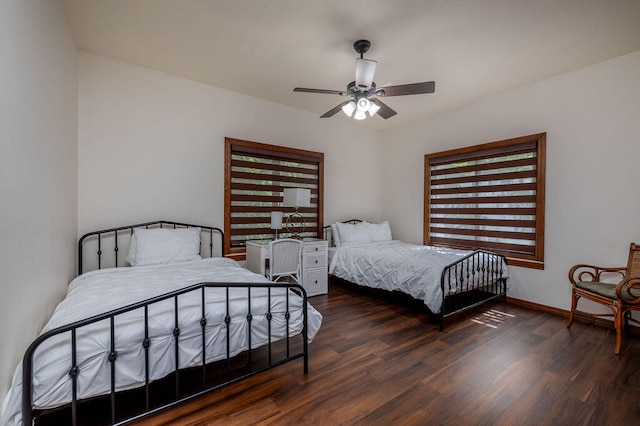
[(276, 220), (360, 115), (363, 104), (297, 197), (373, 109), (365, 69), (349, 107)]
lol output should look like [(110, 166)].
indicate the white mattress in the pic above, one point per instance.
[(103, 290), (398, 266)]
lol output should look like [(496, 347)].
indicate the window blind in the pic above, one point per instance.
[(258, 177), (487, 198)]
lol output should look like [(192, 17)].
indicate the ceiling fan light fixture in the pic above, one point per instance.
[(349, 108), (360, 115), (363, 104), (373, 109)]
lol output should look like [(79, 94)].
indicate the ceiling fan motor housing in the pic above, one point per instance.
[(353, 90)]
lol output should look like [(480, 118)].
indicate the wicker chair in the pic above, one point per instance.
[(284, 260), (621, 298)]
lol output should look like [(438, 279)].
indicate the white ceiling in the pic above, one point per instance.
[(265, 48)]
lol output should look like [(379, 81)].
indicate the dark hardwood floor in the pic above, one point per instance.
[(384, 362)]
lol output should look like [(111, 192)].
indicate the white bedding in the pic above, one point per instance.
[(397, 266), (103, 290)]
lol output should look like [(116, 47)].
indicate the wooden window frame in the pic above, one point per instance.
[(533, 260), (277, 152)]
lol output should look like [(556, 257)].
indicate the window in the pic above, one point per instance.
[(255, 176), (489, 196)]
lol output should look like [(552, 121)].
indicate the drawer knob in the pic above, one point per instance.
[(316, 248), (316, 261), (316, 281)]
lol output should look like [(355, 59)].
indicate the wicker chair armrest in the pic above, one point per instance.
[(582, 272), (624, 291)]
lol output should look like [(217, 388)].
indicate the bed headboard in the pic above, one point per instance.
[(327, 234), (105, 246)]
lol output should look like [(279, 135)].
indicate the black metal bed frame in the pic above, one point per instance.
[(210, 230), (478, 277), (28, 412)]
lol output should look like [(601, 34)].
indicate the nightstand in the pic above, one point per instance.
[(314, 263)]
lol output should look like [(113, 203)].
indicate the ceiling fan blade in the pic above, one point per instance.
[(328, 92), (384, 111), (333, 111), (365, 70), (407, 89)]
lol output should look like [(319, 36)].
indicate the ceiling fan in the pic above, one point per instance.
[(363, 90)]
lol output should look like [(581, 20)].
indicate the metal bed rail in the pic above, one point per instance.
[(472, 281), (112, 355)]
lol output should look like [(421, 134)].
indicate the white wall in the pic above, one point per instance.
[(38, 171), (151, 146), (592, 120)]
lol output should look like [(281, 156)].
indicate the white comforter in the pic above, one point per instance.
[(107, 289), (398, 266)]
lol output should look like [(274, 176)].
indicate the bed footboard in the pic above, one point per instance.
[(277, 351), (471, 281)]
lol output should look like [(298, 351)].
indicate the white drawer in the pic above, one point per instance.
[(315, 282), (317, 247), (314, 261)]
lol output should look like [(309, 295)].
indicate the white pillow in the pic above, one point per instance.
[(335, 234), (352, 234), (157, 246), (363, 232), (378, 231)]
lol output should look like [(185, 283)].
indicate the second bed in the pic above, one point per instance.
[(448, 281)]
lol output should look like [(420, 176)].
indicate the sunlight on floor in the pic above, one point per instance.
[(492, 318)]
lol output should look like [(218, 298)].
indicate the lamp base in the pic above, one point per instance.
[(295, 220)]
